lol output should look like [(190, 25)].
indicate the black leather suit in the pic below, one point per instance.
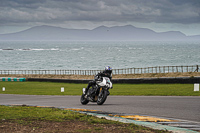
[(105, 73)]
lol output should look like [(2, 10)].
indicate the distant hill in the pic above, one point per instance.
[(128, 33)]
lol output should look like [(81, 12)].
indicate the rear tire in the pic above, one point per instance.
[(102, 97), (84, 100)]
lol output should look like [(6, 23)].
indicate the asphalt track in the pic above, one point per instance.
[(177, 107)]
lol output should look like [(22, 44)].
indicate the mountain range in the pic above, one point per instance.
[(123, 33)]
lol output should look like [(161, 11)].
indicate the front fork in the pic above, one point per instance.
[(100, 90), (105, 89)]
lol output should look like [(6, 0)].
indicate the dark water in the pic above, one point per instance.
[(29, 55)]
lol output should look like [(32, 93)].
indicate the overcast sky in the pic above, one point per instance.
[(158, 15)]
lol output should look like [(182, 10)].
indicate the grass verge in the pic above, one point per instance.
[(50, 88), (33, 119)]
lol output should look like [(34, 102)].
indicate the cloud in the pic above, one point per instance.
[(60, 11)]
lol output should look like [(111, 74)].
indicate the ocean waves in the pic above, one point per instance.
[(28, 49), (93, 55)]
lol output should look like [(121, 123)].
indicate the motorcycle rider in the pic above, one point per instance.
[(106, 73)]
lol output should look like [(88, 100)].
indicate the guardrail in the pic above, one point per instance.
[(157, 69)]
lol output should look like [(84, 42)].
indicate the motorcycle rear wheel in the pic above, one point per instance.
[(84, 100), (102, 97)]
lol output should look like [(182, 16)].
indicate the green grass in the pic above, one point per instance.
[(25, 115), (50, 88), (155, 89), (41, 88), (21, 113)]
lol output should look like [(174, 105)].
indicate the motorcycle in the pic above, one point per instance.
[(98, 92)]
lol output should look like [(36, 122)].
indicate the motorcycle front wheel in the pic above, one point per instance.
[(84, 100), (102, 97)]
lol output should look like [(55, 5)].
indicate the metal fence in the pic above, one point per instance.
[(157, 69)]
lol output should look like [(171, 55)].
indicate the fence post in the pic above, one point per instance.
[(182, 69), (164, 69), (197, 68), (168, 69)]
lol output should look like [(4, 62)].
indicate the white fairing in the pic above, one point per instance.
[(105, 82)]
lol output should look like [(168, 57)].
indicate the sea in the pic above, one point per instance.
[(95, 55)]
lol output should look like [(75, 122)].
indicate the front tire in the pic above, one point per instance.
[(84, 100), (102, 97)]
